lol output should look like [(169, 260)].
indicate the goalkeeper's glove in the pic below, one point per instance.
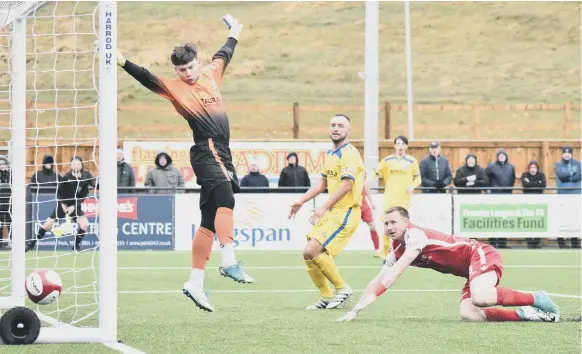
[(120, 59), (233, 25)]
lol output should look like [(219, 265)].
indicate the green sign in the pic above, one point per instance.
[(504, 217)]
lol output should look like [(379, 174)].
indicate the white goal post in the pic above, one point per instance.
[(97, 266)]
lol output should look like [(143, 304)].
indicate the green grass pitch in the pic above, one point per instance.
[(420, 313)]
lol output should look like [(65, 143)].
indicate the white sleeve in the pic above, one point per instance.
[(415, 239), (390, 259)]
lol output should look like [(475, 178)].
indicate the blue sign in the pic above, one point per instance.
[(143, 223)]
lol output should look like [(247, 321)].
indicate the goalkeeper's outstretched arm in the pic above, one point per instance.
[(384, 280)]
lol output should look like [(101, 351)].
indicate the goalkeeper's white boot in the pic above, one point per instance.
[(529, 313), (198, 295), (341, 297)]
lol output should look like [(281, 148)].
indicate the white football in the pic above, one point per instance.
[(43, 286)]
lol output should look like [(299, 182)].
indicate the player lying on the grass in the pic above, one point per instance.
[(195, 95), (479, 263), (71, 192), (336, 220)]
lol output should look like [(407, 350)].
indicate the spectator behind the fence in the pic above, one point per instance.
[(470, 175), (532, 181), (164, 175), (568, 174), (125, 176), (533, 178), (5, 193), (435, 170), (46, 179), (294, 175), (501, 173), (254, 179)]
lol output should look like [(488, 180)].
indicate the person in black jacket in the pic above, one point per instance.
[(501, 173), (470, 175), (435, 170), (5, 193), (254, 179), (294, 175), (46, 179), (125, 176), (71, 193), (533, 178)]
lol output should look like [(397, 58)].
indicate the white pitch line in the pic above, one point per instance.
[(120, 347), (341, 267), (273, 291)]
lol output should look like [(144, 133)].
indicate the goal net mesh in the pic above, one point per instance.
[(62, 122)]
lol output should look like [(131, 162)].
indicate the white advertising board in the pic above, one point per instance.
[(261, 220), (517, 216)]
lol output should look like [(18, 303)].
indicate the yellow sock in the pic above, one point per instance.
[(327, 266), (386, 245), (319, 279)]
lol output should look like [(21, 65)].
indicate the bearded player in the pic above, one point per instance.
[(479, 263), (195, 95), (336, 220)]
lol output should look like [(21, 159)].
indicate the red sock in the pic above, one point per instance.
[(510, 297), (494, 314), (375, 239)]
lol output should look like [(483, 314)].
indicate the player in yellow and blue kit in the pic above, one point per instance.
[(401, 174), (335, 220)]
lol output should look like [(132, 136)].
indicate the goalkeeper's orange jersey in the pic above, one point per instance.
[(201, 103)]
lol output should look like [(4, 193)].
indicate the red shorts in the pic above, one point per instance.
[(484, 259), (367, 212)]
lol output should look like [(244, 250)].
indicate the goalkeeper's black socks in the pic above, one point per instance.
[(78, 238), (32, 242)]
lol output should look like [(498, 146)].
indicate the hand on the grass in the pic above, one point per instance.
[(233, 25), (294, 209), (317, 215), (350, 316)]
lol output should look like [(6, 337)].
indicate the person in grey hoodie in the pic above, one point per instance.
[(164, 175), (501, 173), (46, 178)]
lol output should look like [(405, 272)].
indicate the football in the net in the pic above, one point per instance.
[(43, 286)]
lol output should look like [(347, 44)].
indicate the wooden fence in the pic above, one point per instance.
[(547, 153)]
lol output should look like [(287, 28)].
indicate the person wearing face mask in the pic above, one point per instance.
[(5, 193), (254, 178), (294, 175), (46, 178), (470, 175), (71, 193)]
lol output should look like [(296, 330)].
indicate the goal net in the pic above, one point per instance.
[(58, 99)]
